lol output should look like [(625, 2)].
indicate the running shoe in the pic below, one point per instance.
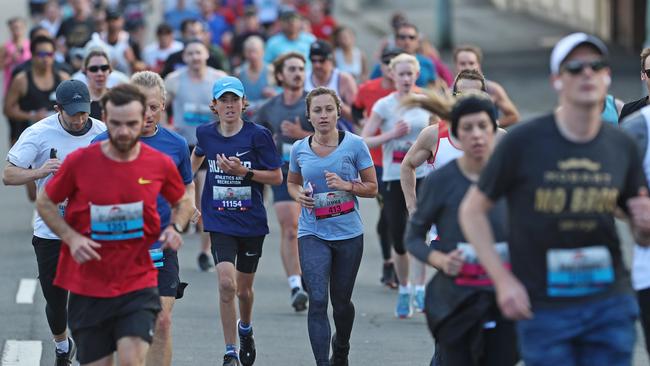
[(66, 358), (418, 301), (204, 262), (339, 353), (403, 309), (230, 360), (299, 299), (246, 348), (388, 277)]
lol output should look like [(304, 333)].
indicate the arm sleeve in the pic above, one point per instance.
[(425, 215), (499, 173), (267, 153), (62, 184), (173, 188)]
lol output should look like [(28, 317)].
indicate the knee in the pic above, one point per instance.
[(245, 294), (289, 232), (227, 289), (163, 325), (131, 357)]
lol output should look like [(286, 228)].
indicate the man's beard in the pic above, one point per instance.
[(123, 146)]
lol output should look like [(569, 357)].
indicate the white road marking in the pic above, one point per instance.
[(26, 290), (22, 353)]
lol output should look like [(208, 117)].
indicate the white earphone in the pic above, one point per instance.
[(557, 84)]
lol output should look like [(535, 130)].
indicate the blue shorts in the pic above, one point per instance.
[(600, 332), (281, 192)]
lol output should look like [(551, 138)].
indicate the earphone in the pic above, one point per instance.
[(557, 84), (608, 80)]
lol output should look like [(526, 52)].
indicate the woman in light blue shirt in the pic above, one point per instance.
[(327, 171)]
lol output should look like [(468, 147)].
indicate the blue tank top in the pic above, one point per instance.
[(610, 113), (254, 88)]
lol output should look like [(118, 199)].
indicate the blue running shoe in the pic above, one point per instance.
[(403, 309)]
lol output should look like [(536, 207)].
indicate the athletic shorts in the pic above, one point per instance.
[(204, 164), (246, 250), (169, 283), (281, 192), (98, 323)]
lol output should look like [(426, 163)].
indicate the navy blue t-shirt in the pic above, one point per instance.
[(230, 205), (173, 145)]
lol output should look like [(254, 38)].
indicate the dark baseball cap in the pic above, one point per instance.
[(288, 14), (320, 48), (389, 52), (113, 13), (73, 96)]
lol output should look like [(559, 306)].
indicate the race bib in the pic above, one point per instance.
[(399, 152), (578, 272), (116, 222), (286, 152), (196, 114), (232, 198), (472, 272), (333, 204)]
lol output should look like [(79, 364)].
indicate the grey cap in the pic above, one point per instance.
[(73, 96)]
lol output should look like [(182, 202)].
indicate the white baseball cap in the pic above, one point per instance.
[(569, 43)]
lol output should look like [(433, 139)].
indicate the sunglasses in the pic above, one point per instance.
[(647, 73), (317, 60), (386, 60), (43, 54), (575, 67), (402, 37), (96, 68)]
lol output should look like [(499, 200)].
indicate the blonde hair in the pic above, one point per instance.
[(406, 58), (148, 80)]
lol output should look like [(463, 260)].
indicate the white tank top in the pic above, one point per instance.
[(332, 83), (353, 68), (446, 151)]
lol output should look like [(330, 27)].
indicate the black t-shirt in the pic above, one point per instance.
[(561, 199), (96, 109), (76, 33), (632, 107)]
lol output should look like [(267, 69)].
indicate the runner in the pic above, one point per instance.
[(173, 145), (460, 293), (285, 115), (636, 105), (327, 172), (242, 158), (400, 128), (112, 280), (189, 91), (564, 175), (43, 146), (97, 68)]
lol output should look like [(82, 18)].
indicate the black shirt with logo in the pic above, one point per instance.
[(561, 200)]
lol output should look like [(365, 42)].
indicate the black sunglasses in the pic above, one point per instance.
[(647, 73), (407, 36), (317, 60), (96, 68), (575, 67)]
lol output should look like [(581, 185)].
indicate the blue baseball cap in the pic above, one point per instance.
[(227, 84), (73, 96)]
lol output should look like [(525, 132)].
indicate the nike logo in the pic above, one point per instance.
[(226, 84), (143, 181), (237, 154), (249, 254)]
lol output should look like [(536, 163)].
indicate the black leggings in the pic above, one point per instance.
[(332, 264), (644, 304), (396, 214), (56, 298)]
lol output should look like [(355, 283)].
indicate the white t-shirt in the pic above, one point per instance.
[(155, 57), (33, 149), (389, 109)]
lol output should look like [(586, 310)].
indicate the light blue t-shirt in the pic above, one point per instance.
[(336, 215), (279, 44)]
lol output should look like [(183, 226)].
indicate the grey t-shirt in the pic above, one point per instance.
[(274, 112)]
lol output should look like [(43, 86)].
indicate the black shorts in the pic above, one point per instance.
[(169, 283), (247, 250), (281, 192), (98, 323), (204, 164)]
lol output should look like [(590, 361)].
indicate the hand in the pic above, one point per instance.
[(83, 248), (452, 262), (512, 298), (336, 182), (292, 129), (170, 238), (305, 199), (231, 165), (639, 208), (49, 167), (401, 128), (196, 215)]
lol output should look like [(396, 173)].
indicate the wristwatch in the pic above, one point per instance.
[(176, 226), (249, 175)]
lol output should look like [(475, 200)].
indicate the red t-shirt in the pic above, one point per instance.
[(324, 29), (114, 203), (369, 93)]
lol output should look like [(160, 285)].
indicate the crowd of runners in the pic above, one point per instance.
[(125, 147)]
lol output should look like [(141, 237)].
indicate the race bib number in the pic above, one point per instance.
[(286, 152), (333, 204), (116, 222), (472, 272), (578, 272), (399, 152), (232, 198), (196, 114)]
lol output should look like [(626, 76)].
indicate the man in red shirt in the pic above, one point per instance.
[(110, 222), (368, 93)]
